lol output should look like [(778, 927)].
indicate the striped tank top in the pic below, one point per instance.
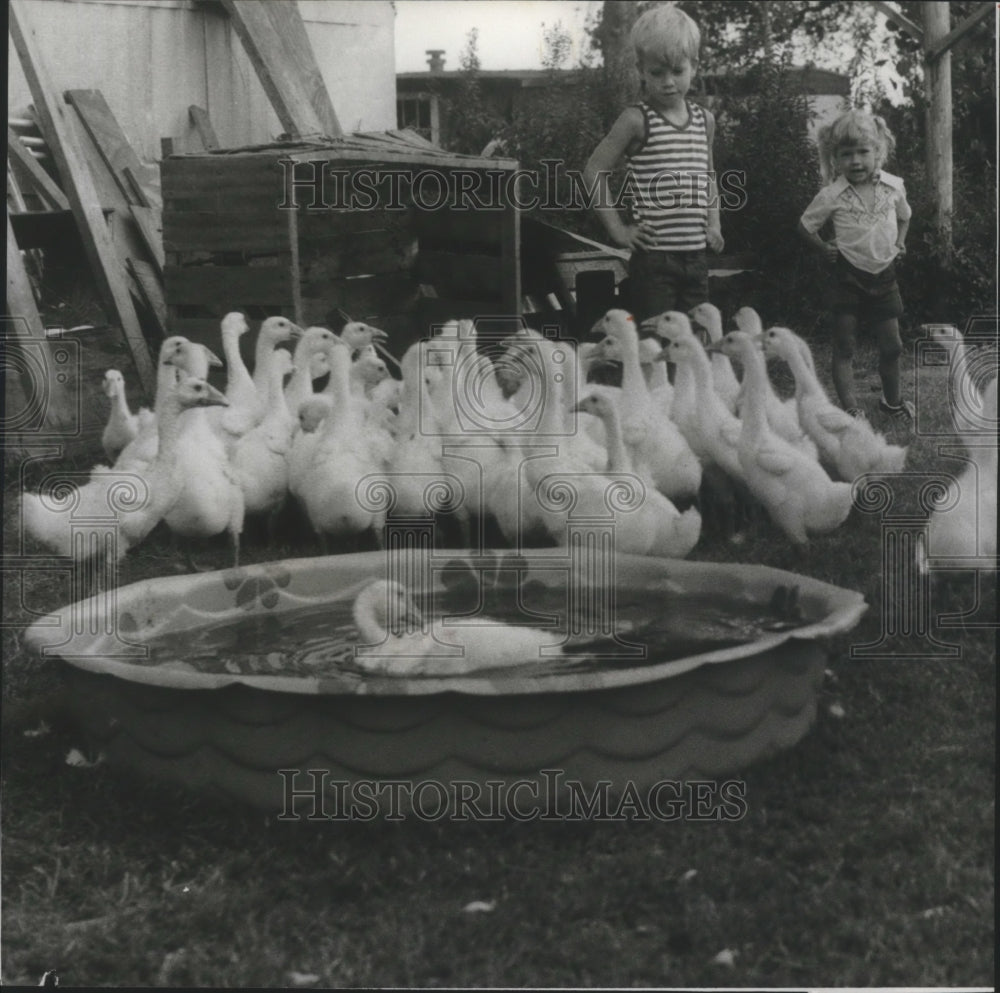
[(669, 179)]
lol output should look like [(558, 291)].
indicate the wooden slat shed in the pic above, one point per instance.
[(377, 228), (153, 59)]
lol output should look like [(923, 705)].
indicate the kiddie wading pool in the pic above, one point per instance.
[(243, 682)]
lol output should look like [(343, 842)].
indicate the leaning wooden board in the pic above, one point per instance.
[(275, 40), (104, 129), (79, 188)]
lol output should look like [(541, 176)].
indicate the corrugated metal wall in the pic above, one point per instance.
[(154, 58)]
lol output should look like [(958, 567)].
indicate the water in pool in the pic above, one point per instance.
[(321, 640)]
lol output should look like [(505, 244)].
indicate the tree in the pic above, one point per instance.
[(611, 35), (472, 122)]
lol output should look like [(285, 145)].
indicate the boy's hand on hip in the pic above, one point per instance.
[(901, 251), (637, 236), (715, 240), (830, 252)]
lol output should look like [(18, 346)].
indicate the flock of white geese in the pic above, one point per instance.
[(516, 431)]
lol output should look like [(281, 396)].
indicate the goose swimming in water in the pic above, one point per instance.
[(385, 616)]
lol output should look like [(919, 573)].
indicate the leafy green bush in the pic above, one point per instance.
[(764, 139)]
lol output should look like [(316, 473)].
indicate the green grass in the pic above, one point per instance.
[(865, 858)]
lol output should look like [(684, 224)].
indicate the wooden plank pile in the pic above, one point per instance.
[(56, 371)]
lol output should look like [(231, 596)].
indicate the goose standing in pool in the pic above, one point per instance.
[(392, 640), (798, 494)]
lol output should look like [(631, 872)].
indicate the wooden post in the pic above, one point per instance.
[(82, 195), (937, 88)]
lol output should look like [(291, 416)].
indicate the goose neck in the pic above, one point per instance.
[(169, 427), (632, 378), (371, 632), (618, 459), (755, 377), (231, 350), (806, 382), (119, 405)]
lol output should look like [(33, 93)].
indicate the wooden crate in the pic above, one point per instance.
[(382, 228)]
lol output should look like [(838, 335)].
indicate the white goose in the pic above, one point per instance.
[(157, 485), (273, 332), (308, 361), (123, 425), (968, 531), (699, 410), (656, 527), (657, 380), (781, 414), (384, 609), (466, 404), (260, 457), (176, 353), (415, 461), (966, 399), (655, 444), (508, 492), (849, 444), (241, 392), (798, 494), (724, 379), (210, 501), (308, 358), (327, 482), (358, 334)]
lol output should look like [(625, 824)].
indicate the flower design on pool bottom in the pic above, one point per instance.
[(255, 583), (497, 585)]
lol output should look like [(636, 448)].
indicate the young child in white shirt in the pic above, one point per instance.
[(870, 217)]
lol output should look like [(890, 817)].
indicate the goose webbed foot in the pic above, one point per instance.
[(183, 549)]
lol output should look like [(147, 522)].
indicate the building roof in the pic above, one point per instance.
[(812, 80)]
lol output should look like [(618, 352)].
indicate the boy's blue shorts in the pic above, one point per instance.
[(872, 297), (660, 281)]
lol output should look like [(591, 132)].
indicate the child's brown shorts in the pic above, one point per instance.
[(870, 296)]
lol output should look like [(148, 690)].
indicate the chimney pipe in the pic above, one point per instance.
[(436, 60)]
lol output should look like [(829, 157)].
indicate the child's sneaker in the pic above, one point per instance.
[(903, 414), (857, 413)]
